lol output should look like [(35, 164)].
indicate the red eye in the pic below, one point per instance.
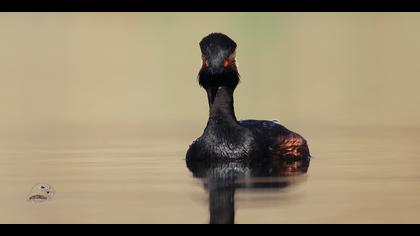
[(206, 63), (226, 64)]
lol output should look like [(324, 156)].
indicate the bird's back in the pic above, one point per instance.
[(277, 140)]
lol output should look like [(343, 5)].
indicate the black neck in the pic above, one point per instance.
[(221, 106)]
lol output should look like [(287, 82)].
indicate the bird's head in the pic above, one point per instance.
[(218, 53)]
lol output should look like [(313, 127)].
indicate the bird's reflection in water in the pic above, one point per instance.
[(222, 179)]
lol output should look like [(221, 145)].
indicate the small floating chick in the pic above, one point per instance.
[(41, 193)]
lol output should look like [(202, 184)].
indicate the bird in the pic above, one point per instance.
[(225, 138), (41, 193)]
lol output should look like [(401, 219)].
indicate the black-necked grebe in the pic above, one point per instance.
[(225, 138)]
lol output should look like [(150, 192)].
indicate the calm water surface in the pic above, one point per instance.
[(125, 175)]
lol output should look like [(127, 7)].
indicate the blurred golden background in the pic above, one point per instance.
[(131, 68)]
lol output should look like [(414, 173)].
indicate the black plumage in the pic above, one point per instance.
[(225, 138)]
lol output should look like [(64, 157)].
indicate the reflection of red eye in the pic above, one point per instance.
[(226, 64), (206, 63)]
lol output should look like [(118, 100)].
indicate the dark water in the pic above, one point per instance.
[(222, 180)]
